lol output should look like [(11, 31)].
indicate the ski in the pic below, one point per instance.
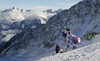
[(63, 51), (53, 54)]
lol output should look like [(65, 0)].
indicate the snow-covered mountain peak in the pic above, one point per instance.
[(14, 8)]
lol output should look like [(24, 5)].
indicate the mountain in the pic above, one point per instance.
[(36, 42), (14, 20)]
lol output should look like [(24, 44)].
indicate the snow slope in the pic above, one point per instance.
[(87, 51), (90, 52)]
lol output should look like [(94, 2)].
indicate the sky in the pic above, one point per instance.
[(38, 4)]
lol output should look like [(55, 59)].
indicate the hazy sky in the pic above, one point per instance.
[(38, 4)]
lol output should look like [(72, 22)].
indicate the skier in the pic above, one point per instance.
[(72, 40), (57, 49)]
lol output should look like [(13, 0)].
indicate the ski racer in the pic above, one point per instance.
[(72, 40)]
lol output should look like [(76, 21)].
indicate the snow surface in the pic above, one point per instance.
[(86, 51), (8, 34), (7, 38)]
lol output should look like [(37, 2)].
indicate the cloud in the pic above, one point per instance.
[(42, 7)]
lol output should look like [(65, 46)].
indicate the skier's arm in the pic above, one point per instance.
[(67, 29)]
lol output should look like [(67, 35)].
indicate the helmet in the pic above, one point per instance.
[(64, 27)]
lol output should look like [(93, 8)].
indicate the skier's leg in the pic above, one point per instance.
[(56, 51), (67, 48), (74, 46)]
